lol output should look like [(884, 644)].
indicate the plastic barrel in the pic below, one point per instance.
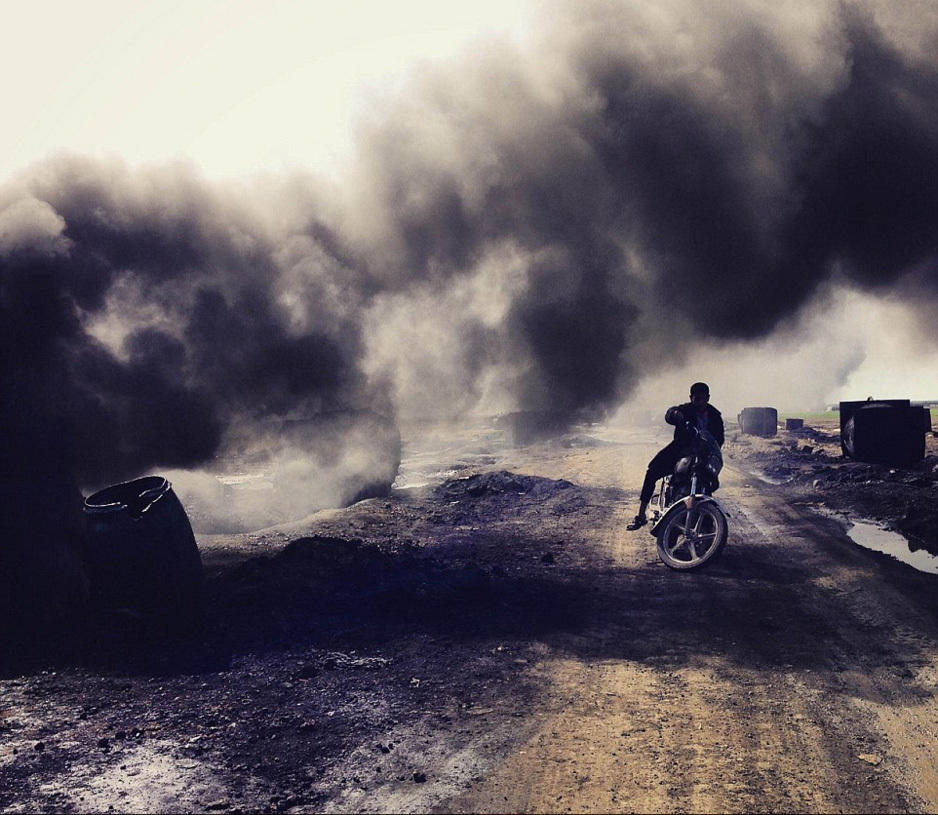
[(794, 424), (140, 553), (758, 421)]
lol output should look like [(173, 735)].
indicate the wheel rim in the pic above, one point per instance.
[(692, 535)]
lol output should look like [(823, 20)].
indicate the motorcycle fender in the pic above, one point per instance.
[(687, 501)]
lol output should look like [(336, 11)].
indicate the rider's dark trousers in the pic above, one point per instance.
[(660, 466)]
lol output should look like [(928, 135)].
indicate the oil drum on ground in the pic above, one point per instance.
[(889, 431), (758, 421), (140, 552)]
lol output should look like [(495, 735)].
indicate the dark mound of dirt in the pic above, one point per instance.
[(499, 482), (311, 560)]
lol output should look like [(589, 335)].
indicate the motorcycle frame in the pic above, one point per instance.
[(692, 499)]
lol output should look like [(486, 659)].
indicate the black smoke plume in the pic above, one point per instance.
[(149, 319), (661, 188), (527, 230)]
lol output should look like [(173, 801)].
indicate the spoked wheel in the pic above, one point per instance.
[(693, 537)]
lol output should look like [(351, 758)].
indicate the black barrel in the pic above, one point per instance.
[(848, 408), (884, 433), (794, 424), (140, 552), (758, 421)]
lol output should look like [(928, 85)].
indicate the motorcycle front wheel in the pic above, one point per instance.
[(692, 538)]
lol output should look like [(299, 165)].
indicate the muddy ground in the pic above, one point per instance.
[(495, 641), (810, 465)]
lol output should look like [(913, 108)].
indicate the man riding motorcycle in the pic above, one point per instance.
[(697, 412)]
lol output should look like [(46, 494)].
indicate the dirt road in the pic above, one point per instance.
[(793, 676), (500, 643)]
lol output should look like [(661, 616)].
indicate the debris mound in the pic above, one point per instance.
[(500, 482), (311, 561)]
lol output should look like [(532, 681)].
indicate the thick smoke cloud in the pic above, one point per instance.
[(669, 174), (869, 168), (145, 314), (528, 230)]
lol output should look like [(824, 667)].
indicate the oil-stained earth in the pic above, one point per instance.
[(496, 641)]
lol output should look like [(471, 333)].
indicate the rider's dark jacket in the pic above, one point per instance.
[(714, 420)]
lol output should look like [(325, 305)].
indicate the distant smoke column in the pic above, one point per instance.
[(671, 173)]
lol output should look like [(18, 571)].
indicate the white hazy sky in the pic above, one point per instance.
[(236, 86), (242, 87)]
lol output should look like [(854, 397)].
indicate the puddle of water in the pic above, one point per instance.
[(874, 537), (870, 535)]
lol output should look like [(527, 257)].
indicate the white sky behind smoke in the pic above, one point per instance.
[(243, 88), (236, 86)]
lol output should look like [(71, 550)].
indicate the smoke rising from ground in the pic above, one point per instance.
[(530, 229), (146, 313), (663, 175), (852, 345)]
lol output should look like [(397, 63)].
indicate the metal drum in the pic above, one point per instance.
[(883, 433), (758, 421), (140, 553)]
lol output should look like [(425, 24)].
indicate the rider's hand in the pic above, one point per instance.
[(674, 416)]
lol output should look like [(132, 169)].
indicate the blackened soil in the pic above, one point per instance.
[(500, 643), (314, 667)]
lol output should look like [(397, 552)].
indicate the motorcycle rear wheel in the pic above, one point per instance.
[(692, 538)]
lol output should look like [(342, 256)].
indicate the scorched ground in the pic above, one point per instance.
[(496, 641)]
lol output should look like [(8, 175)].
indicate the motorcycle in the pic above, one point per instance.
[(688, 522)]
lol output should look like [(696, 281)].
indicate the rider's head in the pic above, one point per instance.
[(700, 395)]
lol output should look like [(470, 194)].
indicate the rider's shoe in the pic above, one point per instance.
[(636, 523)]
